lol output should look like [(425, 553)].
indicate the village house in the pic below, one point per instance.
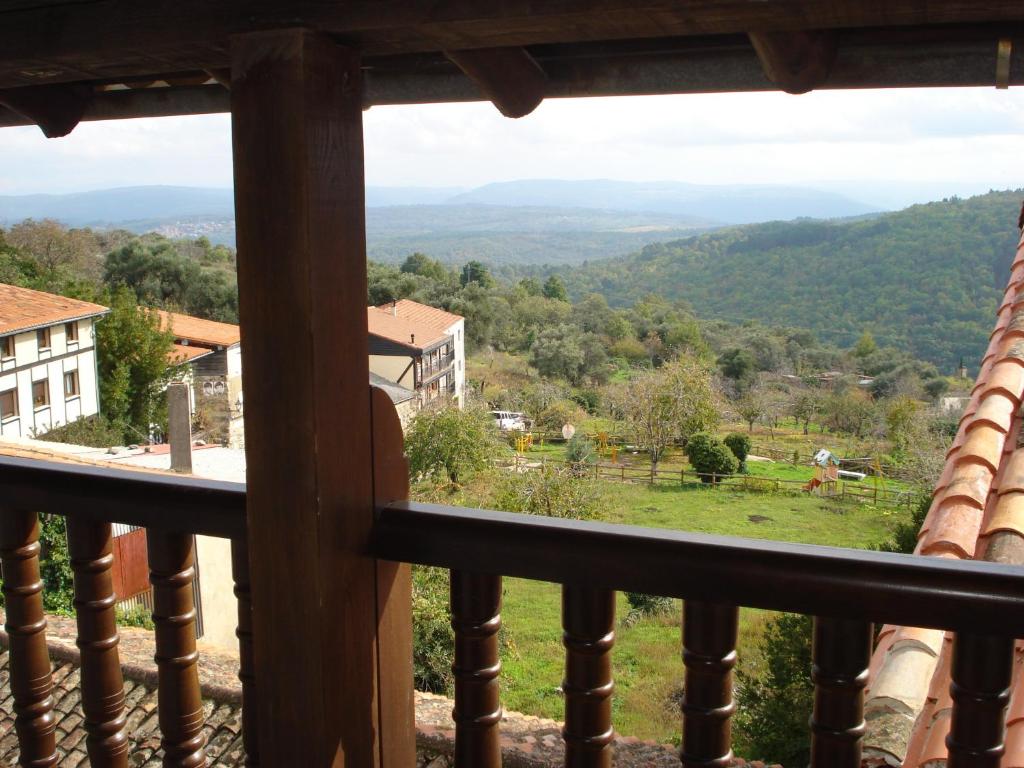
[(213, 353), (47, 360), (421, 348)]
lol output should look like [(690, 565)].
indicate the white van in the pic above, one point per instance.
[(509, 421)]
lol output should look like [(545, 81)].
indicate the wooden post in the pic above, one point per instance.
[(179, 427), (299, 203)]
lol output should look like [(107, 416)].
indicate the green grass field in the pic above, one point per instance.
[(647, 664)]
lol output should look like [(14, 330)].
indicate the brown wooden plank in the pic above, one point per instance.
[(476, 619), (91, 548), (131, 564), (302, 301), (394, 596), (588, 633), (179, 704), (980, 688), (31, 683), (246, 659), (842, 652), (709, 655), (56, 109), (109, 39)]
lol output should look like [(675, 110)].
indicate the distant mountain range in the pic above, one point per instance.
[(531, 221)]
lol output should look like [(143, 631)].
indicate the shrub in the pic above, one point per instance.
[(739, 444), (451, 443), (433, 640), (588, 399), (904, 535), (775, 694), (642, 605), (93, 431), (709, 456), (550, 492), (579, 453), (136, 616), (558, 414)]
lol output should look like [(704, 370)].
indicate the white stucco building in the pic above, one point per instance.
[(47, 360)]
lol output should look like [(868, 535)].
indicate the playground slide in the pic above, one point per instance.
[(814, 483)]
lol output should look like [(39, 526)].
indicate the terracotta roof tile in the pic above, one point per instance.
[(979, 494), (414, 334), (407, 309), (199, 331), (23, 309), (183, 353)]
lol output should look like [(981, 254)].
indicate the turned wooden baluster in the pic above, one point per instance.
[(476, 619), (709, 655), (841, 651), (588, 623), (247, 664), (171, 570), (980, 688), (31, 683), (91, 549)]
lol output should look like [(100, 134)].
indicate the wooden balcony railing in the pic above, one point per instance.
[(845, 590)]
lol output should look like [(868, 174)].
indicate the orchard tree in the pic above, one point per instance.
[(451, 443), (670, 403), (804, 407)]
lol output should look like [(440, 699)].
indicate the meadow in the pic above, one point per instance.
[(647, 656)]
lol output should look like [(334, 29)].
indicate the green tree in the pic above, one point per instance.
[(554, 288), (738, 365), (710, 457), (804, 407), (132, 356), (865, 346), (739, 444), (476, 272), (557, 353), (774, 694), (421, 264), (670, 403), (451, 443)]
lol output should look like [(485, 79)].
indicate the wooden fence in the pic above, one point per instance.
[(750, 483)]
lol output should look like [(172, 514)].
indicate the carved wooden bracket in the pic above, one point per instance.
[(56, 109), (509, 77), (797, 62)]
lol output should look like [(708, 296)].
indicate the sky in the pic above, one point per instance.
[(932, 142)]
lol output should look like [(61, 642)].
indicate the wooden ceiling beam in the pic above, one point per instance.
[(56, 109), (656, 67), (797, 62), (508, 77), (58, 42)]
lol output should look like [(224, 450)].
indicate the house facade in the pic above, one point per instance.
[(421, 348), (48, 374), (213, 353)]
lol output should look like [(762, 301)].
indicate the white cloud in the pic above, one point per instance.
[(966, 136)]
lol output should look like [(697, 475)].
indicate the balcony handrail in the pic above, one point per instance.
[(908, 590), (162, 502)]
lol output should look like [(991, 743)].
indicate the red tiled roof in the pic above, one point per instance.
[(978, 499), (22, 309), (415, 334), (422, 313), (199, 331), (183, 353)]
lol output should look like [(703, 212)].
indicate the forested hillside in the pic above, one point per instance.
[(926, 279)]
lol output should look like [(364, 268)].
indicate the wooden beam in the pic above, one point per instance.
[(508, 77), (99, 39), (797, 62), (56, 109), (299, 199)]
